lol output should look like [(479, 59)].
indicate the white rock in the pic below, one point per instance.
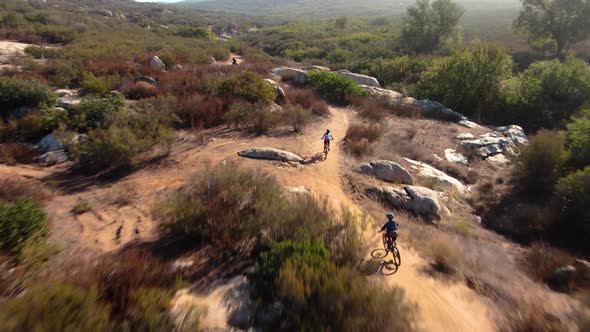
[(360, 79), (430, 173), (279, 90), (455, 157), (498, 159), (50, 143), (465, 136), (157, 63), (468, 124), (298, 190), (53, 157), (419, 200), (298, 76), (515, 134), (270, 154), (387, 171)]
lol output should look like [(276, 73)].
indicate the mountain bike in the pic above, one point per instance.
[(326, 148), (391, 247)]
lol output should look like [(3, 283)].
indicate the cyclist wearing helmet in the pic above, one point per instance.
[(390, 229), (327, 137)]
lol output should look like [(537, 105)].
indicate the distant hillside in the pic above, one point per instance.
[(330, 8)]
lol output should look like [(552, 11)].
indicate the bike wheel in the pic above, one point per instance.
[(385, 246), (397, 259)]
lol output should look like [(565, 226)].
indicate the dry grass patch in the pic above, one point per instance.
[(444, 254), (13, 153), (359, 137), (14, 189)]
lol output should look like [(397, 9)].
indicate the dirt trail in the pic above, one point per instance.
[(228, 62)]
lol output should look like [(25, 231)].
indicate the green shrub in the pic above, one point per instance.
[(297, 117), (574, 193), (578, 139), (15, 92), (301, 277), (81, 207), (94, 113), (238, 114), (40, 52), (335, 87), (402, 70), (200, 33), (539, 165), (468, 80), (21, 221), (248, 86), (57, 35), (270, 263), (100, 85), (547, 93), (120, 145), (55, 307), (150, 311), (263, 118)]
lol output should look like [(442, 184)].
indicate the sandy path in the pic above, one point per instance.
[(228, 62)]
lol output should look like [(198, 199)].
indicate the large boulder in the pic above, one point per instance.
[(562, 279), (157, 63), (360, 79), (279, 90), (515, 134), (453, 156), (53, 157), (270, 154), (436, 110), (388, 98), (419, 200), (387, 171), (298, 76), (439, 178), (465, 136), (69, 102), (316, 68), (50, 143), (147, 79)]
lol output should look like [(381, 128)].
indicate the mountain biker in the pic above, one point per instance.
[(234, 61), (390, 229), (327, 137)]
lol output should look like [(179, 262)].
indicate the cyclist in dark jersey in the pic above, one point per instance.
[(390, 229)]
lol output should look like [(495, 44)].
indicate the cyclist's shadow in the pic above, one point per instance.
[(379, 263), (318, 157)]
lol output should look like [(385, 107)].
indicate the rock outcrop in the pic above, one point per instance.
[(50, 143), (439, 178), (419, 200), (279, 90), (53, 157), (270, 154), (488, 146), (157, 63), (387, 171), (515, 134), (455, 157), (317, 68), (298, 76), (360, 79)]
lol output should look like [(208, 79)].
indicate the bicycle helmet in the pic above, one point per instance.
[(328, 131), (389, 215)]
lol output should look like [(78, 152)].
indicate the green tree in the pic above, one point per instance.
[(564, 21), (469, 79), (578, 137), (428, 25)]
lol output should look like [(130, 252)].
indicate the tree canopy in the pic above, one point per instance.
[(561, 22), (428, 25)]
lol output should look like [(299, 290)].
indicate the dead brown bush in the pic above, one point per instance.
[(14, 189), (13, 153), (530, 317), (359, 137), (369, 109), (541, 260), (444, 254), (308, 99)]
